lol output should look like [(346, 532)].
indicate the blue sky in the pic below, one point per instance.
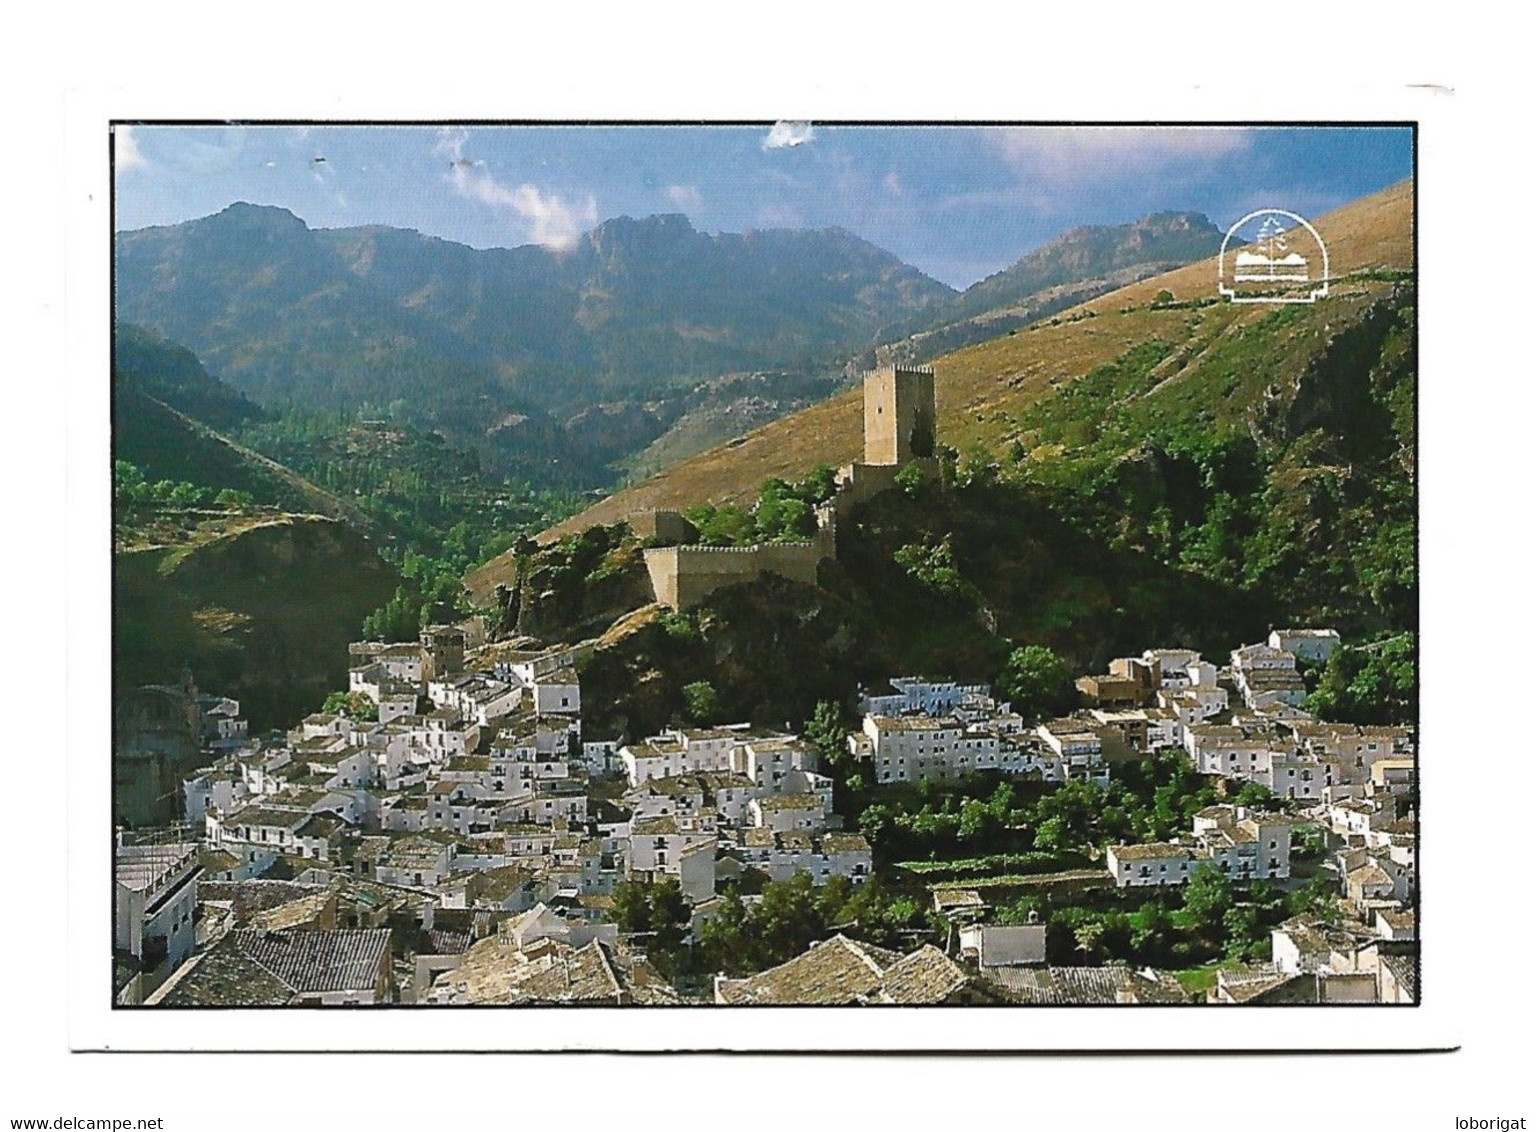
[(957, 202)]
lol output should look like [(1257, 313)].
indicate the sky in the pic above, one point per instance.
[(957, 202)]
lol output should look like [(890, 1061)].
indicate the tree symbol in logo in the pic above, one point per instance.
[(1271, 240)]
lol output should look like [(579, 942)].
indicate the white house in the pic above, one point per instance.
[(1159, 862), (154, 904), (1004, 945), (1315, 645), (785, 812), (1244, 844), (909, 695), (782, 855)]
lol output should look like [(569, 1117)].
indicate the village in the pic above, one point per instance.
[(450, 837), (445, 833)]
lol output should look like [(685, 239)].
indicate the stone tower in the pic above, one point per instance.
[(899, 415), (442, 651)]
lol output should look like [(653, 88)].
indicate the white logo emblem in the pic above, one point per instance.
[(1272, 256)]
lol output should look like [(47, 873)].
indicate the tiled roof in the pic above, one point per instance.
[(251, 897), (840, 971), (1063, 986), (313, 962), (948, 898), (294, 914), (225, 976), (844, 843), (834, 972), (1156, 850), (549, 971), (1405, 970), (255, 968), (498, 884), (925, 977), (789, 802), (442, 941)]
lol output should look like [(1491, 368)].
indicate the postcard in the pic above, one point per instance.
[(644, 584)]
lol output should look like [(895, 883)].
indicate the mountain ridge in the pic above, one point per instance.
[(1371, 233)]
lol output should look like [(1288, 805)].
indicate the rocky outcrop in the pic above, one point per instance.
[(263, 613)]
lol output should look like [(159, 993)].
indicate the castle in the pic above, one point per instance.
[(900, 429)]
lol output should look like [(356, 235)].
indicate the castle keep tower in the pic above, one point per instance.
[(899, 415)]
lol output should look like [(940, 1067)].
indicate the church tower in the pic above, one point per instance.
[(899, 415)]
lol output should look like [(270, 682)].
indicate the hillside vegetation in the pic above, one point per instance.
[(166, 416), (259, 607), (1080, 264), (1141, 470)]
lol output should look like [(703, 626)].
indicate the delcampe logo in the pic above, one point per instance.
[(1272, 256)]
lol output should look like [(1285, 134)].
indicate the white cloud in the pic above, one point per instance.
[(126, 155), (551, 220), (1107, 151), (685, 197), (450, 143), (891, 183), (788, 134)]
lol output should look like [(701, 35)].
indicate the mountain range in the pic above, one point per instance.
[(516, 353)]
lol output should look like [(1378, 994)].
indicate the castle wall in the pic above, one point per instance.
[(661, 526), (683, 576), (899, 429)]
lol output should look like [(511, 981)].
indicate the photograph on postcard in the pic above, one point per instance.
[(663, 565)]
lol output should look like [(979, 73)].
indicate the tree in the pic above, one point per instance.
[(398, 619), (229, 497), (828, 734), (669, 914), (701, 702), (1037, 681), (788, 918), (978, 467), (1371, 684), (1208, 897), (909, 477), (1247, 938), (933, 565), (1319, 900), (631, 907), (876, 823), (724, 943), (1255, 794), (1051, 835), (187, 495), (1020, 911), (1162, 298), (354, 705)]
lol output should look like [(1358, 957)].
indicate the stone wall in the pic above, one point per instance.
[(683, 576), (661, 526)]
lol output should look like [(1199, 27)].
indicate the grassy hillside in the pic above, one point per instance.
[(167, 413), (982, 389)]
